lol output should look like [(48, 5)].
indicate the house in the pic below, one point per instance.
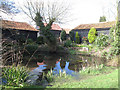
[(12, 29), (102, 27), (67, 32), (55, 29)]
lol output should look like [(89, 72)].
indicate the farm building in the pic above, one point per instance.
[(12, 29), (102, 27)]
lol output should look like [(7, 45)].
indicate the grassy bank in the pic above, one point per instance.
[(109, 80), (97, 77)]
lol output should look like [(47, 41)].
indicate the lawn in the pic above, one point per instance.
[(109, 80), (105, 78)]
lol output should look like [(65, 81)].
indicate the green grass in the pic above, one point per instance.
[(97, 70), (21, 88), (106, 77), (77, 52), (80, 45), (74, 51), (109, 80)]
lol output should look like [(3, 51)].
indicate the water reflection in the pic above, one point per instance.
[(36, 73), (76, 62), (67, 70), (57, 69), (39, 69), (73, 63)]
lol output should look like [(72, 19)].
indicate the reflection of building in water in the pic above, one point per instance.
[(58, 68), (39, 69), (67, 70)]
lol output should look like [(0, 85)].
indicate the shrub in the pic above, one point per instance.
[(104, 54), (68, 43), (21, 39), (114, 51), (40, 40), (11, 52), (92, 35), (115, 32), (112, 34), (15, 76), (29, 41), (94, 70), (102, 40), (84, 40), (71, 34), (77, 38), (63, 35), (31, 48), (60, 47)]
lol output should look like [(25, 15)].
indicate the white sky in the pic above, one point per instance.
[(82, 12)]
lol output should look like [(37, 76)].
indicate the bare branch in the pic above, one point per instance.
[(55, 11)]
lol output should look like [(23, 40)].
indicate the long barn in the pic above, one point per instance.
[(11, 29), (102, 27)]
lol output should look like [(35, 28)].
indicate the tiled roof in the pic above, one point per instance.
[(53, 27), (17, 25), (67, 30), (96, 25)]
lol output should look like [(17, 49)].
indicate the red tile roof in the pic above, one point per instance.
[(67, 30), (17, 25), (53, 27), (96, 25)]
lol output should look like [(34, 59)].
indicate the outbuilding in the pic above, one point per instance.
[(102, 27), (12, 29)]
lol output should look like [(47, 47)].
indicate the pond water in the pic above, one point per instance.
[(64, 62), (70, 64), (57, 69)]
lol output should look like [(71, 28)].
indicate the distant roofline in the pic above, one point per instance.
[(96, 25), (52, 27), (89, 28), (27, 28)]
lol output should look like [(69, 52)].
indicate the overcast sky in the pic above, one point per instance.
[(82, 12)]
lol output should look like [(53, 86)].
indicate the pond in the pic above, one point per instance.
[(70, 64), (64, 62)]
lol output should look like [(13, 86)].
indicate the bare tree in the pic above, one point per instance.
[(112, 11), (54, 10), (46, 12), (8, 7)]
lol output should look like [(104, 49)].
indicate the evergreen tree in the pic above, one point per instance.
[(102, 19), (77, 38), (92, 35), (46, 12), (63, 36), (71, 34), (50, 39)]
